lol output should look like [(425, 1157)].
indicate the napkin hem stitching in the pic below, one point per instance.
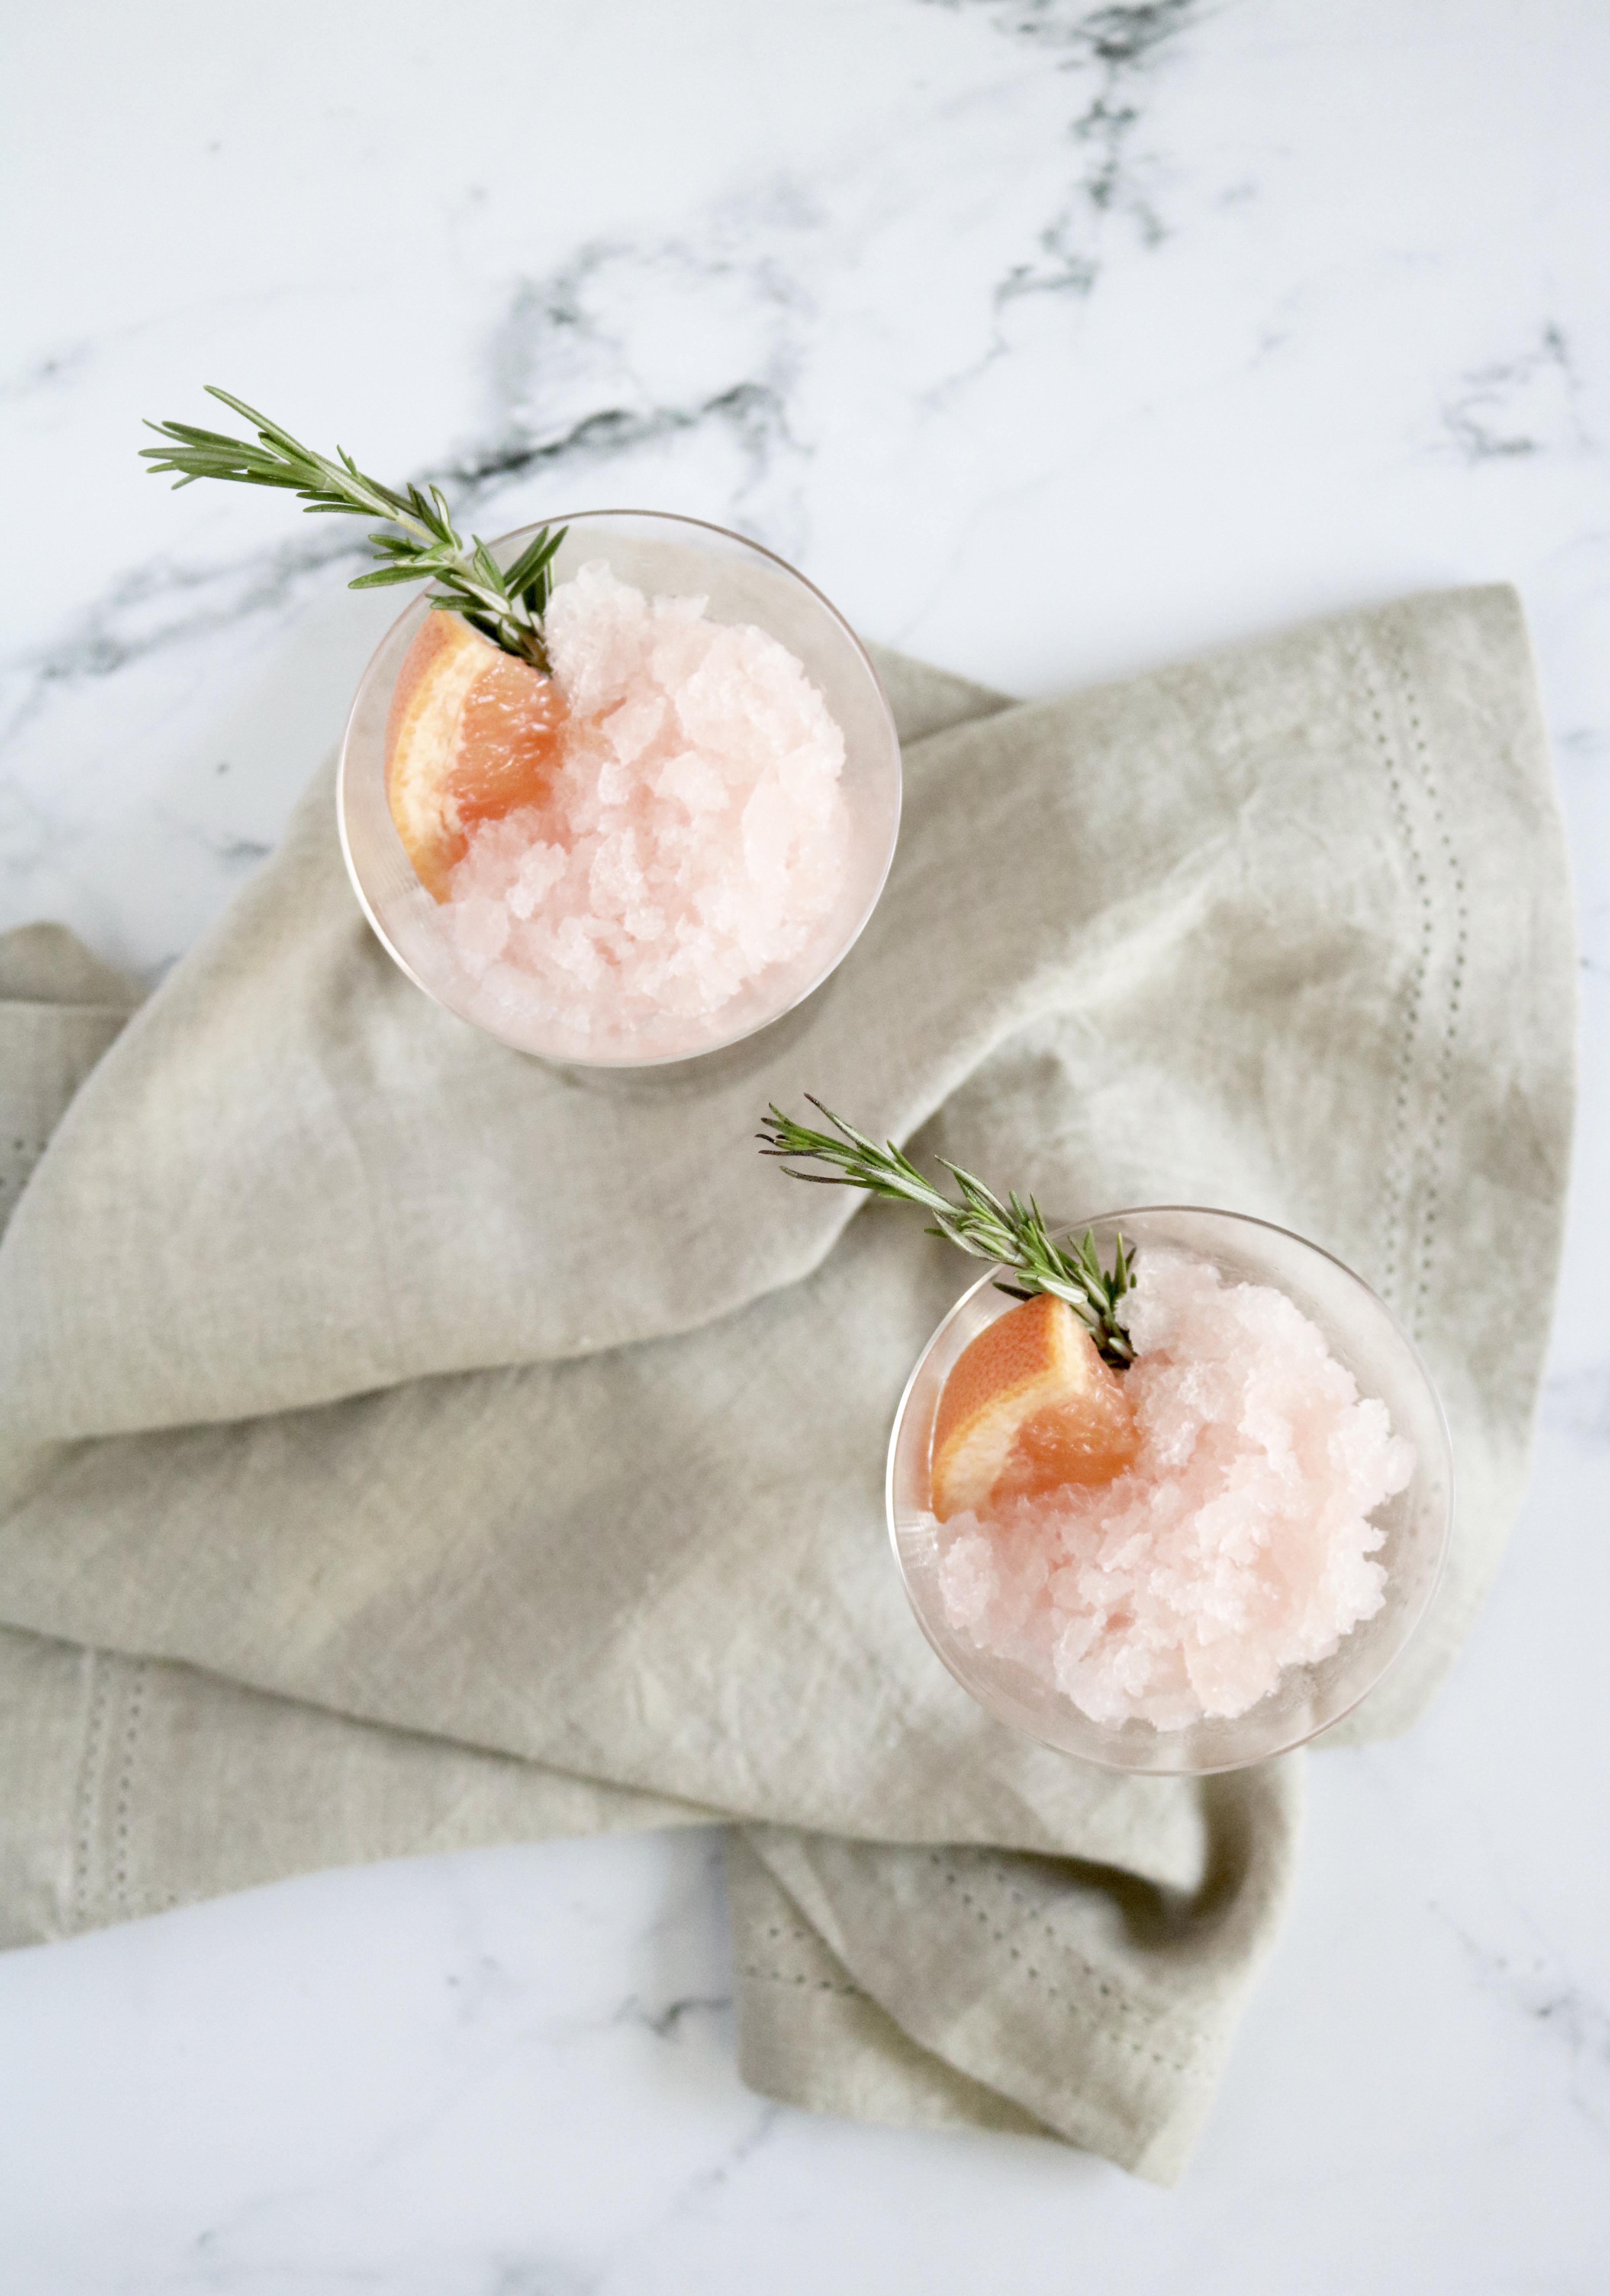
[(799, 1978), (123, 1803), (1190, 2037), (91, 1759)]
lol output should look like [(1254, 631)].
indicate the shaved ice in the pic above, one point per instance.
[(694, 835), (1238, 1543)]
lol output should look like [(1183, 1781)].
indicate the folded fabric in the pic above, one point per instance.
[(405, 1444)]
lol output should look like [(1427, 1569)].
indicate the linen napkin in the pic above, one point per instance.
[(405, 1444)]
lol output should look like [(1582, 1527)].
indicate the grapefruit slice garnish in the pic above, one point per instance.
[(1028, 1406), (473, 734)]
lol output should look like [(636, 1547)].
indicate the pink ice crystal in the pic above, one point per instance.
[(1237, 1544), (696, 833)]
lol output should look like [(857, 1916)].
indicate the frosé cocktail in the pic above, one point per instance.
[(623, 789), (1182, 1506), (644, 831), (1217, 1529)]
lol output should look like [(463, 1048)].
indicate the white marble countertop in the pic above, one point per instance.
[(1052, 340)]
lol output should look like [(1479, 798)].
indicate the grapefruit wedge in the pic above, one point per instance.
[(473, 734), (1028, 1406)]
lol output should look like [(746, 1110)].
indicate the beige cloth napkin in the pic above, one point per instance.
[(404, 1444)]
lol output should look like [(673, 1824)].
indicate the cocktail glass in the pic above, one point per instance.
[(668, 556), (1363, 1335)]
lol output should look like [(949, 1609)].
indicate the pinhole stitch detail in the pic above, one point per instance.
[(1137, 2046), (123, 1807), (1449, 861), (1401, 1159), (98, 1669), (800, 1978)]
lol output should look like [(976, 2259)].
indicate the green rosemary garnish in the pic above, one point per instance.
[(506, 605), (1013, 1233)]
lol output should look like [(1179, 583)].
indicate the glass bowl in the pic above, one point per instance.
[(1363, 1335), (743, 583)]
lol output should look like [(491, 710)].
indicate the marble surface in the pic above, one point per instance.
[(1052, 340)]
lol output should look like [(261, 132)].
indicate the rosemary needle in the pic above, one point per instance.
[(1013, 1233), (503, 603)]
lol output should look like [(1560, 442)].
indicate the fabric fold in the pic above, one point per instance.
[(1098, 2006)]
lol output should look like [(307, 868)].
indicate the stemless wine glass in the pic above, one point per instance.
[(667, 556), (1363, 1335)]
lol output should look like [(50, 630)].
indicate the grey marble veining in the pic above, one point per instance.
[(1052, 340)]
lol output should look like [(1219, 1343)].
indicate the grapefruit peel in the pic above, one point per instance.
[(1028, 1406)]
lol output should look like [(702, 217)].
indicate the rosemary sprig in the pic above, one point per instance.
[(1013, 1233), (504, 605)]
